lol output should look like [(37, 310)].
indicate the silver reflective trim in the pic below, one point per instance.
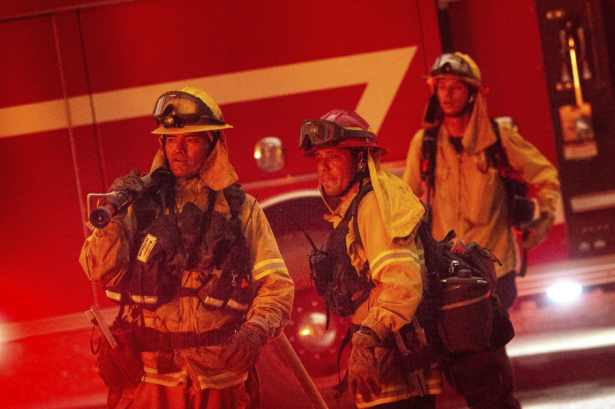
[(145, 299), (213, 302), (235, 305), (113, 296)]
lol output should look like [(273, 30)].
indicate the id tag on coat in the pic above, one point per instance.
[(146, 248)]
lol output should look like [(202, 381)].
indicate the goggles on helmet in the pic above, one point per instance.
[(176, 109), (452, 64), (322, 133)]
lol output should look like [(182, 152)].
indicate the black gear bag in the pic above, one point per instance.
[(468, 322)]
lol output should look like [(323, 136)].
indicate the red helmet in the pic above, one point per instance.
[(340, 128)]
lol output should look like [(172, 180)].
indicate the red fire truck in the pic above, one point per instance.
[(78, 82)]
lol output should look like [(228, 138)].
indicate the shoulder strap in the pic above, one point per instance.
[(428, 166), (235, 196), (428, 149), (354, 210), (496, 154)]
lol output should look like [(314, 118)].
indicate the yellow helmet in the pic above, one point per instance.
[(188, 110), (456, 65)]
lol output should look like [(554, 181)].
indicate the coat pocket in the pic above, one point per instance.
[(480, 197)]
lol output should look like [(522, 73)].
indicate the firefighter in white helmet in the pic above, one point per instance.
[(456, 161), (195, 264)]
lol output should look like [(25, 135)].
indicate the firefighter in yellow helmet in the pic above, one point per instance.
[(376, 259), (195, 264), (456, 162)]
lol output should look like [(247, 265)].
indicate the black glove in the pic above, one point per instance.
[(242, 350), (538, 228), (362, 366), (129, 183)]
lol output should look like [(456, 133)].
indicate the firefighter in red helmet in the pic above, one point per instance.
[(197, 267), (377, 260)]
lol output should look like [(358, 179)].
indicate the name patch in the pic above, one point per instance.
[(148, 244)]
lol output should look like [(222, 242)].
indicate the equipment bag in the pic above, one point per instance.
[(473, 373), (460, 295), (468, 322), (121, 366)]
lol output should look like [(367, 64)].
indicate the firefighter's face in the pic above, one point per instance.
[(453, 94), (186, 153), (336, 168)]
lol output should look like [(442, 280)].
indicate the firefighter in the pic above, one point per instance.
[(467, 194), (196, 264), (375, 217)]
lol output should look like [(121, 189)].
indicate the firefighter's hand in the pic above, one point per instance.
[(458, 246), (362, 366), (131, 182), (538, 230), (388, 367), (242, 350)]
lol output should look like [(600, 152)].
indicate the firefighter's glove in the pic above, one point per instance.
[(388, 364), (131, 183), (538, 230), (457, 246), (242, 350), (362, 366)]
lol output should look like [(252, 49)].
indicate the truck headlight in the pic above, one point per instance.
[(564, 292)]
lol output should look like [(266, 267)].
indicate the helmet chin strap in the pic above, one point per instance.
[(213, 143), (359, 174), (352, 182)]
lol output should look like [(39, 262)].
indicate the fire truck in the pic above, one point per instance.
[(78, 83)]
